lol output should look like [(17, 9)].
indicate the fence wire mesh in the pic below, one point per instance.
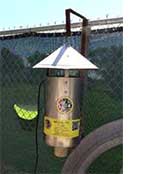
[(19, 88)]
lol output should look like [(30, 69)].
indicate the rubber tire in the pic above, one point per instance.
[(92, 146)]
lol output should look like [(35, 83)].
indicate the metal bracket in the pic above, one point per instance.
[(84, 34)]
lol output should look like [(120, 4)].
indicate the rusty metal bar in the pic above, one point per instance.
[(68, 23), (84, 35), (75, 13)]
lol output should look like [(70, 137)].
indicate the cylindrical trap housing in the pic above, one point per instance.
[(62, 120), (63, 97)]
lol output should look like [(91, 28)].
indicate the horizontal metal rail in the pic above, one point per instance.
[(62, 26)]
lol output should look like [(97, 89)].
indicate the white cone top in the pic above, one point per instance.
[(65, 57)]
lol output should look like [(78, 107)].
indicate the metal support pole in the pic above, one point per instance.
[(84, 43), (84, 34), (84, 38)]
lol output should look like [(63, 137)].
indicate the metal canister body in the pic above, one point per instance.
[(62, 111)]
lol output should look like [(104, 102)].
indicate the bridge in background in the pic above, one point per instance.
[(60, 28)]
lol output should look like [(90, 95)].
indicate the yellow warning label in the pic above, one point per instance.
[(61, 128)]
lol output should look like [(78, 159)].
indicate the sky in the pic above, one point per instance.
[(31, 13)]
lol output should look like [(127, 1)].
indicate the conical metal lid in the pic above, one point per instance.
[(65, 57)]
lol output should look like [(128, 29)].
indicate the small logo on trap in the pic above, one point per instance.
[(64, 105)]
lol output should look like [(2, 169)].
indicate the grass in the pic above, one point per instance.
[(109, 162), (18, 145)]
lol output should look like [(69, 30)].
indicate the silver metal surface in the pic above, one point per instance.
[(57, 87)]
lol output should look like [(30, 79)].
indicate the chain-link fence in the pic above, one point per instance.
[(19, 88)]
